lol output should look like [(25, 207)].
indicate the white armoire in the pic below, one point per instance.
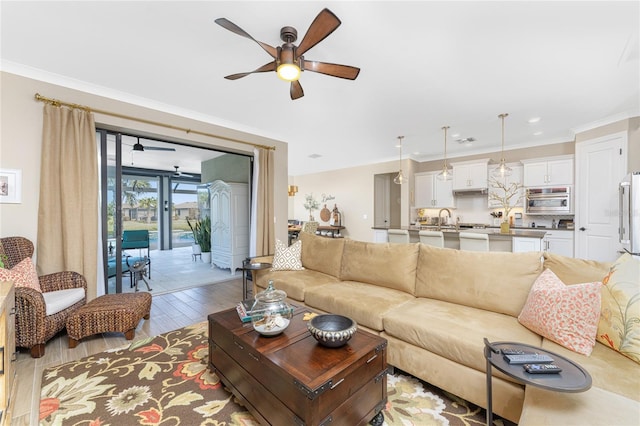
[(229, 224)]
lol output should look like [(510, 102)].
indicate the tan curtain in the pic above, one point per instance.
[(265, 232), (68, 211)]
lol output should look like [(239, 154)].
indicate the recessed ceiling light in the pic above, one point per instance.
[(537, 133), (315, 156), (534, 120)]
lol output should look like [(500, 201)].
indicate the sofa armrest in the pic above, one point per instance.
[(263, 259), (62, 281)]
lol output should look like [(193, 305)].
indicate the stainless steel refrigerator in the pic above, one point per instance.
[(629, 229)]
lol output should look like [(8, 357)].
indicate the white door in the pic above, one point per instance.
[(601, 164), (381, 201)]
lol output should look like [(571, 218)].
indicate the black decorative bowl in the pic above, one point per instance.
[(332, 330)]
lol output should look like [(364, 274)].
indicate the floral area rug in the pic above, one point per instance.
[(164, 380)]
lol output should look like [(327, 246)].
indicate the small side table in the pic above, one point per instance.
[(572, 378), (248, 266)]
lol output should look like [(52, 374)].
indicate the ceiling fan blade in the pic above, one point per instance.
[(225, 23), (296, 90), (157, 148), (324, 24), (271, 66), (334, 70)]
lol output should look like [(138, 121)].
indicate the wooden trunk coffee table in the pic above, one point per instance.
[(290, 379)]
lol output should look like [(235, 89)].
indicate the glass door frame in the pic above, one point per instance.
[(117, 217)]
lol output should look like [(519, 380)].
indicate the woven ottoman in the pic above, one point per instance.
[(109, 313)]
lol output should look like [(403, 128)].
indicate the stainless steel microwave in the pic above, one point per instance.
[(549, 200)]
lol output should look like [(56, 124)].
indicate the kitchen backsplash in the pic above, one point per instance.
[(474, 209)]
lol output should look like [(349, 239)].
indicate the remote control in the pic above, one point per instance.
[(512, 351), (542, 368), (528, 359)]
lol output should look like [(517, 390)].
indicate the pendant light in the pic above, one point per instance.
[(447, 172), (502, 170), (400, 178)]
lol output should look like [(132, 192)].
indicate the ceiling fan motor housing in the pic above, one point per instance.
[(288, 34)]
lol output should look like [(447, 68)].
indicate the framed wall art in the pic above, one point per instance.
[(10, 186)]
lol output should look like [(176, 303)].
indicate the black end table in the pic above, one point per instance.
[(572, 378), (247, 265)]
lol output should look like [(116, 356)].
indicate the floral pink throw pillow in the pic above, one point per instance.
[(619, 326), (23, 275), (566, 314)]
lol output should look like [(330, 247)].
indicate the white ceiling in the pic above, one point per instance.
[(423, 65)]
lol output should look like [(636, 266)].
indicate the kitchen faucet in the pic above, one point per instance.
[(440, 217)]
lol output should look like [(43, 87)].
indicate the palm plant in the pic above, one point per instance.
[(202, 233)]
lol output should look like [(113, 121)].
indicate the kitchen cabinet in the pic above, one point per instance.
[(431, 192), (524, 244), (548, 172), (515, 177), (558, 242), (8, 345), (229, 224), (470, 175)]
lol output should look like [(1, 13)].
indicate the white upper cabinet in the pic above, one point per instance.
[(431, 192), (470, 175), (548, 172), (515, 177)]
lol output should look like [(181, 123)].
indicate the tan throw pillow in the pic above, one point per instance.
[(287, 258), (566, 314), (23, 275), (619, 326)]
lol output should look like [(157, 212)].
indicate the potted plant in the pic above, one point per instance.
[(311, 204), (508, 196), (202, 236)]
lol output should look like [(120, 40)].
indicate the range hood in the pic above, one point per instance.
[(470, 191)]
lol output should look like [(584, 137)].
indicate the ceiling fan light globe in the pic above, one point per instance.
[(288, 72)]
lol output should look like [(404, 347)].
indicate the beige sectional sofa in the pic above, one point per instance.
[(434, 306)]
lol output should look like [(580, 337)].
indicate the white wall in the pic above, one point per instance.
[(21, 137)]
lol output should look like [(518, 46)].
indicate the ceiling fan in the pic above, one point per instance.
[(178, 173), (288, 60), (139, 147)]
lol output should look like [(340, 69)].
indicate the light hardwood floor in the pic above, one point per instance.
[(169, 311)]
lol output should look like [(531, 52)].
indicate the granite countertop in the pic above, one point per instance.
[(493, 232)]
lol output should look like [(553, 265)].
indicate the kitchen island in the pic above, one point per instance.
[(515, 240)]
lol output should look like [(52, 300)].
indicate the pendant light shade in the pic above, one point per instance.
[(502, 170), (400, 178), (447, 171)]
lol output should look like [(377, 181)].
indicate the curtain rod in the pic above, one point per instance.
[(56, 102)]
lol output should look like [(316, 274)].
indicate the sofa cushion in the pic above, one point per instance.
[(59, 300), (322, 254), (22, 275), (364, 303), (574, 271), (383, 264), (454, 331), (294, 283), (619, 325), (287, 258), (565, 314), (593, 407), (494, 281), (609, 369)]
